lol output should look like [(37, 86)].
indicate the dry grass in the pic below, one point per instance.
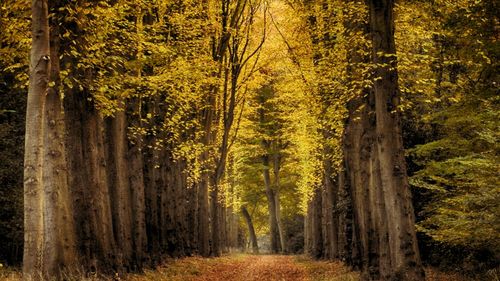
[(193, 268), (327, 270), (433, 274), (9, 274)]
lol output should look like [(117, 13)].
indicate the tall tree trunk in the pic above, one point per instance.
[(59, 229), (88, 180), (135, 157), (345, 229), (193, 217), (405, 259), (232, 218), (203, 216), (205, 212), (215, 217), (34, 152), (182, 210), (78, 177), (251, 230), (359, 144), (179, 215), (330, 214), (315, 219), (232, 228), (307, 231), (271, 202), (166, 204), (152, 190), (49, 229), (101, 213), (276, 184), (119, 187), (138, 196), (359, 147), (222, 223), (152, 225)]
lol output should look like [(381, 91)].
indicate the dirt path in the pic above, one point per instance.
[(248, 268), (258, 268)]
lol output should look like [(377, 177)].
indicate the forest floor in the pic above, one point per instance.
[(242, 267)]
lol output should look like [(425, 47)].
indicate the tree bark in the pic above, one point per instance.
[(405, 260), (59, 245), (49, 230), (347, 247), (138, 196), (119, 187), (251, 230), (215, 218), (203, 217), (135, 157), (33, 169), (329, 214), (315, 219), (99, 195), (271, 201), (151, 196), (276, 184)]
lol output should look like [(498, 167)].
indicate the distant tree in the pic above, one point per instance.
[(251, 230)]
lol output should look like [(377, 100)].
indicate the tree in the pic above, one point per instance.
[(375, 171), (251, 230), (267, 126), (404, 252), (49, 230), (452, 160), (33, 188)]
